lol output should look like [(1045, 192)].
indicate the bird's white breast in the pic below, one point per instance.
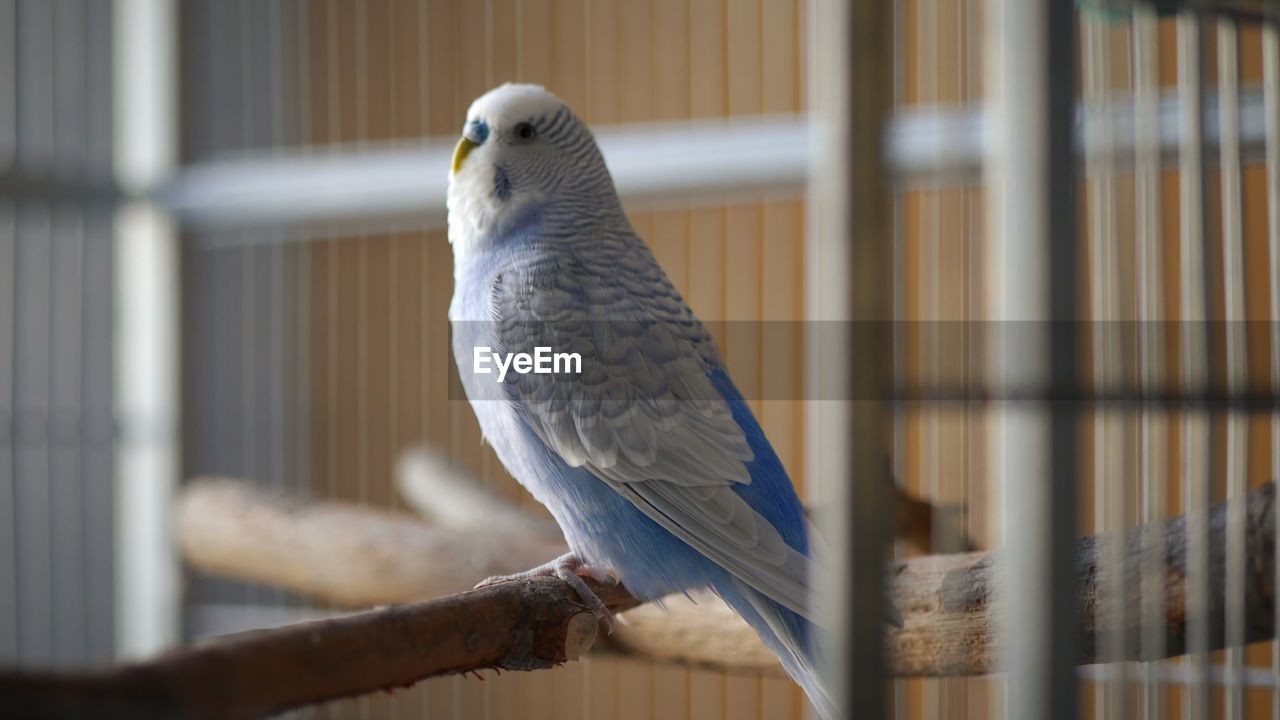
[(472, 208)]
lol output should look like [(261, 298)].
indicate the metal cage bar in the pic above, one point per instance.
[(1195, 425), (1233, 284), (1033, 446), (1271, 89), (849, 239), (147, 383), (1151, 366)]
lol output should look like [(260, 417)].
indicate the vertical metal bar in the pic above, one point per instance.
[(99, 442), (146, 346), (8, 83), (8, 436), (276, 274), (393, 297), (424, 74), (96, 438), (1151, 346), (1271, 96), (1063, 346), (98, 89), (929, 362), (66, 283), (35, 113), (32, 526), (277, 329), (979, 691), (333, 129), (1195, 434), (1108, 498), (303, 388), (899, 311), (1034, 451), (82, 577), (951, 481), (97, 385), (31, 458), (69, 114), (65, 411), (1237, 362), (848, 267), (243, 19), (361, 93), (1123, 425)]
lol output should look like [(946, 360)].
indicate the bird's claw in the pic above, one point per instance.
[(571, 569), (589, 598), (602, 575), (494, 580)]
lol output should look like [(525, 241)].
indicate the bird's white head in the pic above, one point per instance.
[(522, 150)]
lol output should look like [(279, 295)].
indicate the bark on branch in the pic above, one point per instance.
[(950, 603), (341, 553), (528, 625), (350, 556)]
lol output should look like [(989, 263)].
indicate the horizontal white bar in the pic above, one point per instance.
[(651, 163), (1168, 673), (946, 146), (691, 163)]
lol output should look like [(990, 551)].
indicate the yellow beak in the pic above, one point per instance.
[(460, 152)]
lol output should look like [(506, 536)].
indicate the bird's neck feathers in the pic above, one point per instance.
[(479, 216), (483, 223)]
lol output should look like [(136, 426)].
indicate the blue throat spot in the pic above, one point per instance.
[(477, 131), (501, 183)]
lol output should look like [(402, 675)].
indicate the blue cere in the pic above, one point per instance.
[(477, 131)]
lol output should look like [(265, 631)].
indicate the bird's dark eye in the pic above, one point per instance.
[(525, 131)]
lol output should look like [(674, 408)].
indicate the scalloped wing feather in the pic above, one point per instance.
[(644, 415)]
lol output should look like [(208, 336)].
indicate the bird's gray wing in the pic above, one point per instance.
[(644, 415)]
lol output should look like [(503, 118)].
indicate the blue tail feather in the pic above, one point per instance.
[(790, 637), (770, 493)]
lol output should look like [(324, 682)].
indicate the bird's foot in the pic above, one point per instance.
[(571, 569)]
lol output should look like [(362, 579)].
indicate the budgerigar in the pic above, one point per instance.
[(649, 459)]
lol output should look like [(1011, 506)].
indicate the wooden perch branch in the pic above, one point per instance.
[(355, 557), (950, 603), (345, 554), (528, 625)]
